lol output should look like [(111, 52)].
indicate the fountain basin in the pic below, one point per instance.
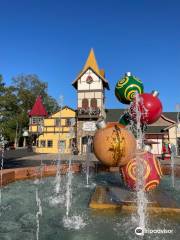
[(15, 174), (18, 211), (108, 197)]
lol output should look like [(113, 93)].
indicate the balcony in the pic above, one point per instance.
[(88, 112)]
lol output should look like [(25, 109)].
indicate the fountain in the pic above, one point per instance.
[(140, 170), (69, 172), (38, 214), (58, 197), (173, 154), (89, 143), (120, 201), (74, 221), (140, 167), (60, 151)]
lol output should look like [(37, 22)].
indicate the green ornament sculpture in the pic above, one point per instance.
[(125, 119), (127, 87)]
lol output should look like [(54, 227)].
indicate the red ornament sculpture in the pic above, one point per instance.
[(149, 106), (152, 172)]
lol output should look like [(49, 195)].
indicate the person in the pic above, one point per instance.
[(166, 151), (74, 149)]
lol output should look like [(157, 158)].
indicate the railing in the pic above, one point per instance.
[(88, 112)]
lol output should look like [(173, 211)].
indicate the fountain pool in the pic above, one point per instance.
[(19, 208)]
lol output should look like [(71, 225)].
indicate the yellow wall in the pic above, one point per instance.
[(54, 133), (54, 137), (33, 128)]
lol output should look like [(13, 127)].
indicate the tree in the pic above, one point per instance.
[(16, 100), (28, 87), (8, 109)]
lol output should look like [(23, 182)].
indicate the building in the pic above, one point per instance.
[(162, 131), (53, 133), (90, 85), (36, 118)]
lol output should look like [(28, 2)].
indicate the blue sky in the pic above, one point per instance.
[(52, 39)]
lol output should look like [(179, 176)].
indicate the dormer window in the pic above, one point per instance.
[(37, 120), (85, 103), (94, 103), (89, 79)]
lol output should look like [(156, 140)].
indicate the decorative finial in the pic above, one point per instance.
[(155, 93), (128, 74), (100, 123)]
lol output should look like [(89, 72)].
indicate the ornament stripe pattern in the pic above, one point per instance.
[(151, 185), (122, 82), (136, 88)]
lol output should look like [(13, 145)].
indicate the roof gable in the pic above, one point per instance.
[(91, 63), (38, 108), (173, 116), (70, 112)]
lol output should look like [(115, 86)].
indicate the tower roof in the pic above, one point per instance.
[(92, 64), (38, 108)]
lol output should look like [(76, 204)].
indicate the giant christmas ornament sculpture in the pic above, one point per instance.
[(125, 119), (114, 145), (152, 172), (149, 106), (127, 87)]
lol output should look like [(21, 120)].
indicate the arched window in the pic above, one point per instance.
[(85, 103), (94, 103)]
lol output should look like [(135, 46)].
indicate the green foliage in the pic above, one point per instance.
[(16, 100)]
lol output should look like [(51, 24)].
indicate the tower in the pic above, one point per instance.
[(36, 118), (90, 85)]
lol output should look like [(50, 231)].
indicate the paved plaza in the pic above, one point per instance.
[(22, 158)]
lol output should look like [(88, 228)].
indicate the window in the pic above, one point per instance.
[(37, 120), (42, 143), (67, 122), (70, 122), (49, 143), (89, 79), (57, 122), (34, 120), (62, 145), (40, 120), (85, 103), (94, 103)]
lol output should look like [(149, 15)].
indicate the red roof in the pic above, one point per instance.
[(38, 109)]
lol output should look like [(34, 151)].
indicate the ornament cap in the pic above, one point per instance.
[(155, 93), (100, 123), (128, 74)]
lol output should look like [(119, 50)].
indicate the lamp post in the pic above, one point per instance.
[(177, 126), (17, 124), (25, 135), (16, 135)]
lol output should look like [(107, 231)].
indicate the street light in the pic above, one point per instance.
[(17, 125), (25, 135), (177, 126)]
